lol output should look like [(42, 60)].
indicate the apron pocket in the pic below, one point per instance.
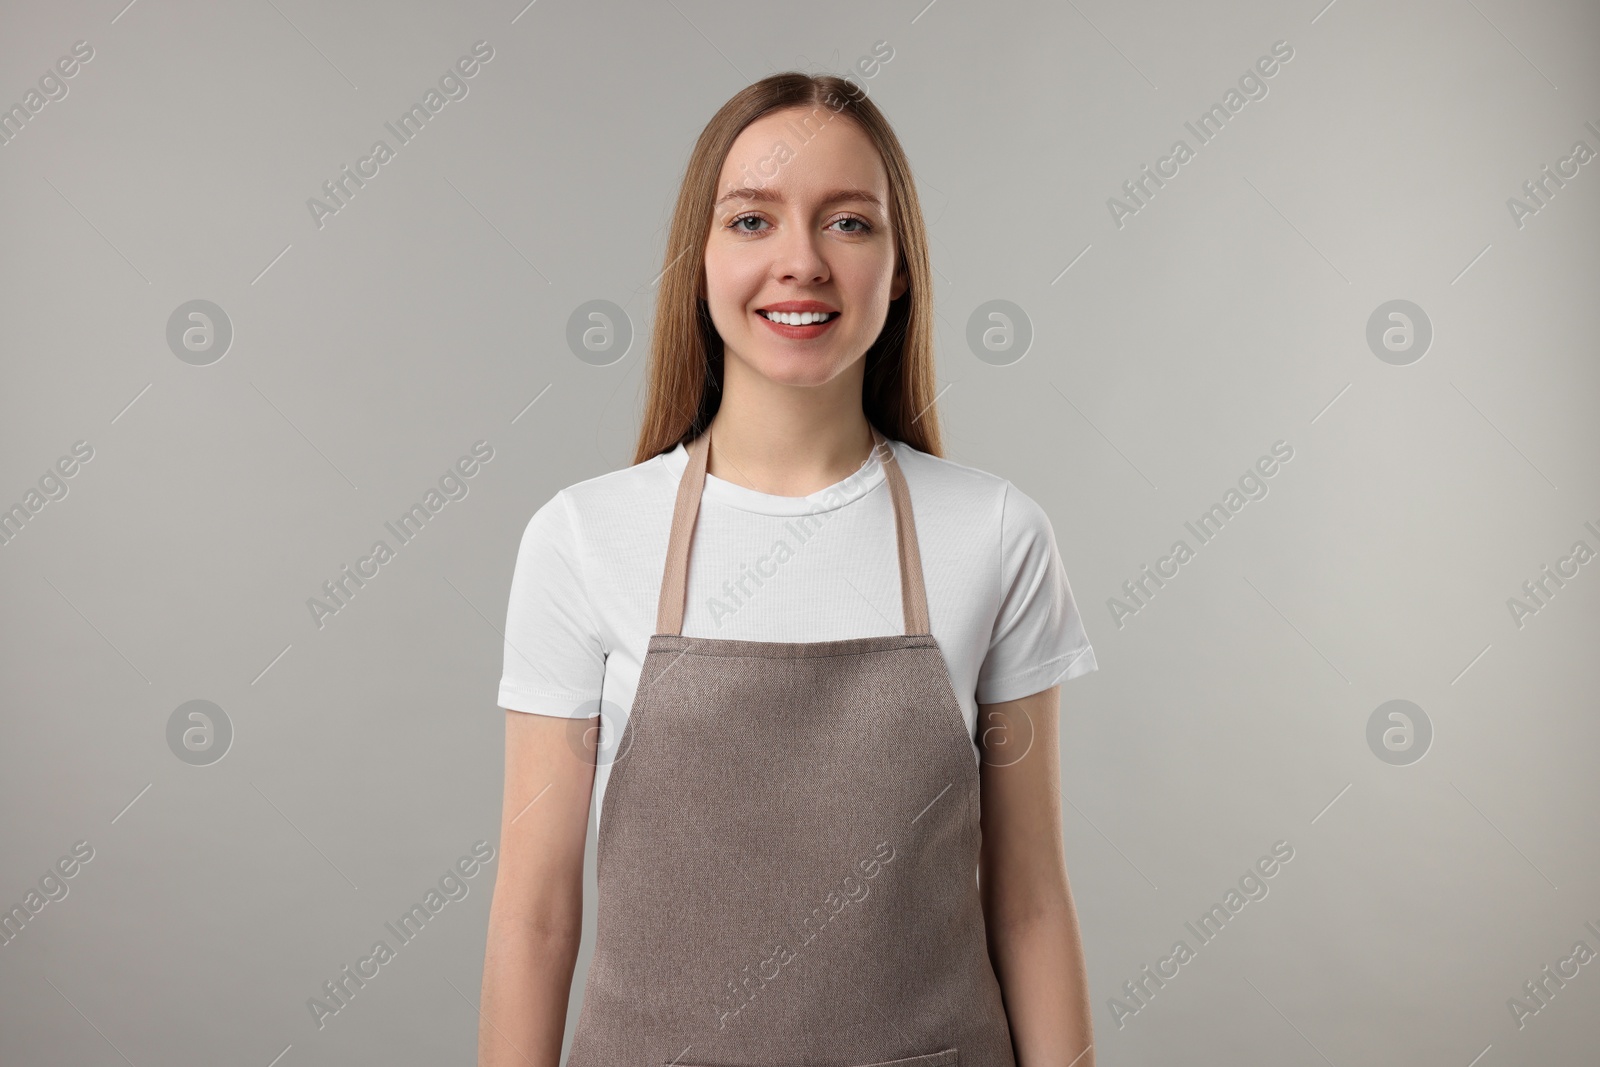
[(945, 1058)]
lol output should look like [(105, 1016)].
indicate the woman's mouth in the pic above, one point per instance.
[(800, 325)]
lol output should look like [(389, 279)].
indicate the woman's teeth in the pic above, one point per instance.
[(798, 318)]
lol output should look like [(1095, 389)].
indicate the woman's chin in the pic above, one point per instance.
[(796, 369)]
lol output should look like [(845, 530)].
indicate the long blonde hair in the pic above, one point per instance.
[(684, 381)]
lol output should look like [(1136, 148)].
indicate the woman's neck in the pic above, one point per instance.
[(787, 452)]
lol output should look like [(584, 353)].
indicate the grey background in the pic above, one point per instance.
[(430, 313)]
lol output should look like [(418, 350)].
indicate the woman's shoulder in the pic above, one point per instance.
[(622, 484), (947, 478), (616, 501), (969, 495)]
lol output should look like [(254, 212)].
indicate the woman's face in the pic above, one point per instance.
[(801, 221)]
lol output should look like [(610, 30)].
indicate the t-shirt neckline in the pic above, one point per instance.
[(720, 491)]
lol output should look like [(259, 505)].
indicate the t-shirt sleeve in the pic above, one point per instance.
[(1038, 639), (554, 656)]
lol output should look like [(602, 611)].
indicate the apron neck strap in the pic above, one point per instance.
[(674, 580)]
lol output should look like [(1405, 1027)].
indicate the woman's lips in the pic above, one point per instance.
[(797, 333)]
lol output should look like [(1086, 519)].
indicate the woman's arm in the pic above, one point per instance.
[(1027, 903), (536, 917)]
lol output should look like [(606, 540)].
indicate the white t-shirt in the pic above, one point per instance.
[(773, 568)]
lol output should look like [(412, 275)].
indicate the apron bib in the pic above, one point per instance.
[(787, 859)]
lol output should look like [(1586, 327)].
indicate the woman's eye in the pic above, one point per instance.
[(861, 225)]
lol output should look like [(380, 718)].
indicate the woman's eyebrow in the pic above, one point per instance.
[(774, 196)]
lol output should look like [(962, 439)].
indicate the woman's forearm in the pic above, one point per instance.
[(527, 978), (1039, 961), (536, 914), (1031, 922)]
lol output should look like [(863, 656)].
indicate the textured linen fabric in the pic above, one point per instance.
[(588, 573), (787, 866)]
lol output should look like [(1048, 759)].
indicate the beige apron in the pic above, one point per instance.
[(788, 849)]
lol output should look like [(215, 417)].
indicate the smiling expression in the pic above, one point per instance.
[(800, 260)]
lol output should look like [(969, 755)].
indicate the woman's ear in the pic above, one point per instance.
[(901, 283)]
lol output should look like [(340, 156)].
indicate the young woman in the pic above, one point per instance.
[(791, 615)]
